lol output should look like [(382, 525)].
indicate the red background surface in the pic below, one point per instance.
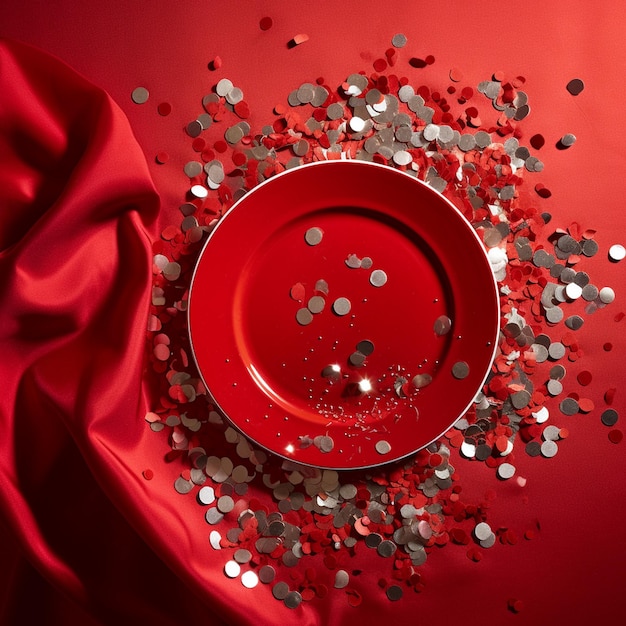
[(140, 557)]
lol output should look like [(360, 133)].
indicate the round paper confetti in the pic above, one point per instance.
[(533, 327), (140, 95)]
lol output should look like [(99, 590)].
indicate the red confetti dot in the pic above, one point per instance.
[(299, 39), (380, 65), (354, 597), (474, 554), (239, 158), (430, 59), (266, 23), (537, 141), (161, 352), (220, 146), (586, 405), (162, 157), (609, 395), (542, 190), (584, 378), (148, 474), (435, 460), (616, 436), (198, 144), (307, 594), (608, 346), (165, 108), (419, 63), (516, 605), (242, 109)]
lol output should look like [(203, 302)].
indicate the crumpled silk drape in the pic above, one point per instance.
[(76, 203)]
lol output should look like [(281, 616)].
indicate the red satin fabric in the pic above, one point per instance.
[(75, 203)]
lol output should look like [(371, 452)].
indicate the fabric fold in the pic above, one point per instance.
[(76, 205)]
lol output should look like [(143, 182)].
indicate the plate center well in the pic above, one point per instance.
[(336, 311)]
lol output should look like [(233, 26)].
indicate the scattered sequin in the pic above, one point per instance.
[(460, 370), (617, 252), (383, 447), (508, 410), (342, 306), (140, 95), (378, 278), (313, 236)]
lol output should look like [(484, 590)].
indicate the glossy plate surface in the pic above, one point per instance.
[(343, 315)]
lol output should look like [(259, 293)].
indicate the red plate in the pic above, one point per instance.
[(337, 389)]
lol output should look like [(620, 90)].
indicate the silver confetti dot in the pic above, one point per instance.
[(267, 574), (304, 317), (342, 306), (574, 322), (223, 87), (378, 278), (316, 304), (232, 569), (353, 261), (325, 443), (617, 252), (549, 449), (554, 387), (556, 350), (365, 347), (313, 236), (206, 495), (383, 447), (421, 380), (399, 40), (140, 95), (242, 556), (394, 593), (193, 168), (551, 433), (249, 579), (482, 531), (342, 578), (386, 548), (215, 539), (213, 516), (194, 128), (357, 359), (183, 486), (199, 191), (225, 504), (606, 295), (609, 417), (506, 471), (293, 600), (569, 406), (442, 325), (280, 590), (460, 370)]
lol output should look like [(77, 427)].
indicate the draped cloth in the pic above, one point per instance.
[(75, 202)]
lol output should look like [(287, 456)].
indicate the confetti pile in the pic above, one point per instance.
[(405, 510)]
